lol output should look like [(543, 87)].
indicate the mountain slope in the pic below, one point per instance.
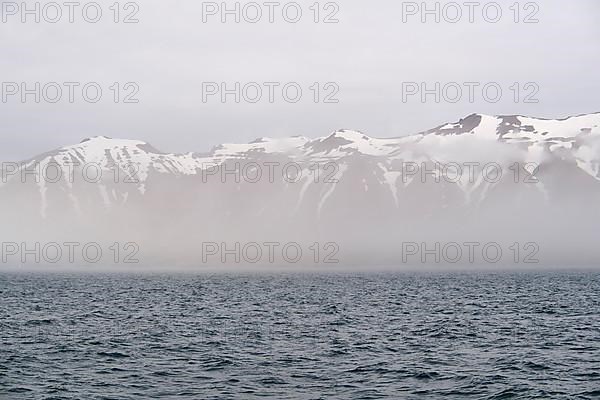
[(484, 176)]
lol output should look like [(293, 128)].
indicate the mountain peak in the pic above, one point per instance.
[(349, 134), (92, 138), (101, 143), (518, 127), (106, 139)]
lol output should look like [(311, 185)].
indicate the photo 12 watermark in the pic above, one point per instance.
[(274, 253), (52, 12), (270, 92), (68, 171), (270, 12), (468, 171), (469, 92), (453, 12), (270, 172), (69, 92), (68, 253), (475, 252)]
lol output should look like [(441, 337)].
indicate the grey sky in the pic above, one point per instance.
[(369, 54)]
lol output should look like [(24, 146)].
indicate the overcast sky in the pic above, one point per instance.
[(368, 54)]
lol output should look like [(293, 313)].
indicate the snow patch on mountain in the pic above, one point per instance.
[(475, 138)]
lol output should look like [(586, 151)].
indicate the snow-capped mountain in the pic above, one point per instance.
[(483, 177)]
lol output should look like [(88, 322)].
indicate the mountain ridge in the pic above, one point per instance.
[(351, 133)]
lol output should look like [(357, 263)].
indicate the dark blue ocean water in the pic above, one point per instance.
[(396, 336)]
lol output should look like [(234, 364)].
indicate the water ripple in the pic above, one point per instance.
[(392, 336)]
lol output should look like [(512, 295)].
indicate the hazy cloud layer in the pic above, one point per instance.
[(369, 54)]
